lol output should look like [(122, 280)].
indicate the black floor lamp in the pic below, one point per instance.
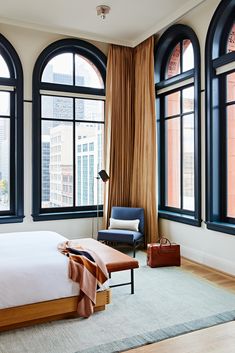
[(104, 177)]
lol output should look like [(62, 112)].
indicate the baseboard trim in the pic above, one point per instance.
[(213, 262)]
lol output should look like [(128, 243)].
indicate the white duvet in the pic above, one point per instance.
[(32, 269)]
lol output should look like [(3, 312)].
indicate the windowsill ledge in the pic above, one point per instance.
[(11, 219), (65, 215), (221, 227), (178, 217)]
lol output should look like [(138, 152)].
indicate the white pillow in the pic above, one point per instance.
[(132, 224)]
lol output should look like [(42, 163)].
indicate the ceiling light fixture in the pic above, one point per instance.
[(102, 11)]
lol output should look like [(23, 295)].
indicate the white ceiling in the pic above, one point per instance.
[(128, 23)]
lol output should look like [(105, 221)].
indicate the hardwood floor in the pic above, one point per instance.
[(216, 277), (217, 339)]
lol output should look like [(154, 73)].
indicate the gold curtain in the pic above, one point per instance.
[(130, 132), (119, 127), (143, 187)]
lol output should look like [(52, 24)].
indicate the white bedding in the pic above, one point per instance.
[(32, 269)]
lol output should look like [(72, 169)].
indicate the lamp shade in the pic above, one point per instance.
[(103, 175)]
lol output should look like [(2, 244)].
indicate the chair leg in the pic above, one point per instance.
[(134, 246)]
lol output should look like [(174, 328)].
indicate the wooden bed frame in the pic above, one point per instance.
[(66, 308), (30, 314)]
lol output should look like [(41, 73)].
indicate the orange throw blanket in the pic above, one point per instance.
[(89, 274)]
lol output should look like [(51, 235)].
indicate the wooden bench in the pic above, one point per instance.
[(114, 260)]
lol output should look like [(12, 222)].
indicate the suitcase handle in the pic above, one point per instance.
[(163, 240)]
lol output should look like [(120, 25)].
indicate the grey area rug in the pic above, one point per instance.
[(167, 302)]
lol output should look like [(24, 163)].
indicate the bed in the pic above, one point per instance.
[(34, 283)]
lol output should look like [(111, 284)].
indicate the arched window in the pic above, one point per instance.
[(68, 130), (220, 98), (177, 80), (11, 134)]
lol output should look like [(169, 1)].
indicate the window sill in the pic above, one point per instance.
[(65, 215), (221, 227), (11, 219), (178, 217)]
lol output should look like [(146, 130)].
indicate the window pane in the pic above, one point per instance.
[(4, 71), (231, 40), (173, 67), (188, 100), (57, 107), (173, 162), (4, 103), (188, 162), (231, 87), (4, 164), (59, 70), (57, 164), (85, 147), (172, 104), (231, 161), (86, 73), (88, 163), (88, 109), (188, 55)]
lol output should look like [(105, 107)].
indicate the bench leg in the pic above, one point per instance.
[(125, 284), (132, 281)]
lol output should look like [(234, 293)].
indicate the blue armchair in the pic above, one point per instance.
[(119, 235)]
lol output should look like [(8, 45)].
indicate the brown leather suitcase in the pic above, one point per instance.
[(163, 253)]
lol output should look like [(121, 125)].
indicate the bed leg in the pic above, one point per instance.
[(99, 308)]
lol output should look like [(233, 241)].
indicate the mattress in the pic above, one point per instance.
[(32, 269)]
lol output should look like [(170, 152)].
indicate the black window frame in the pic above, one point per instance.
[(165, 46), (215, 58), (15, 214), (94, 55)]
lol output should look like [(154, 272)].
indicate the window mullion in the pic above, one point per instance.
[(181, 130), (40, 152), (181, 151), (74, 154), (12, 187), (163, 169), (74, 137), (187, 81), (181, 56), (70, 94), (223, 151), (7, 88), (224, 146), (74, 74)]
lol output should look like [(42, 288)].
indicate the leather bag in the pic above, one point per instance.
[(163, 253)]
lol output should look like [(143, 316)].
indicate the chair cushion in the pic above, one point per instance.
[(119, 235), (129, 213), (130, 224)]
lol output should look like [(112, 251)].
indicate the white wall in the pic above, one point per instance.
[(29, 44), (208, 247)]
